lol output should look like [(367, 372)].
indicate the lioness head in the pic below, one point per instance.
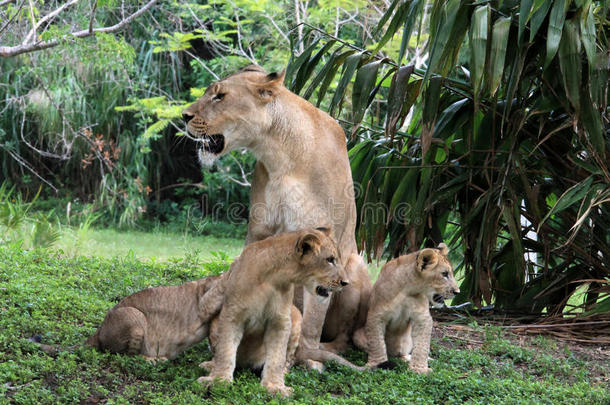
[(233, 112), (320, 264), (434, 266)]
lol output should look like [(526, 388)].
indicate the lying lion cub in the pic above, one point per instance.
[(399, 317), (158, 323), (258, 325)]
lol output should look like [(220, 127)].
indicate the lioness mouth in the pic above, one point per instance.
[(213, 143), (322, 291)]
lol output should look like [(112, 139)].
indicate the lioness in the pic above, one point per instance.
[(398, 318), (302, 179), (258, 325), (158, 323)]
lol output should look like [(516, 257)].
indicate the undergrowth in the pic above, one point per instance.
[(63, 299)]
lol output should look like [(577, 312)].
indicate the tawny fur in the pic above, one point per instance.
[(158, 323), (398, 321), (258, 325), (302, 179)]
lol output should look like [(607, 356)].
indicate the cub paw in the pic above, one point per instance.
[(314, 365), (421, 370), (207, 365), (280, 389), (406, 358), (209, 380)]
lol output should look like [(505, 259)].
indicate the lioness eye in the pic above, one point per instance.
[(331, 260), (218, 96), (445, 274)]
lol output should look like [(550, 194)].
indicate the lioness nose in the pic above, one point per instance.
[(455, 292), (344, 283), (187, 116)]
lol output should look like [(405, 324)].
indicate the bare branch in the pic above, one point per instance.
[(5, 2), (46, 18), (8, 51), (13, 17)]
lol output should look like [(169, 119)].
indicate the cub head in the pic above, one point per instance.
[(320, 267), (434, 267), (233, 113)]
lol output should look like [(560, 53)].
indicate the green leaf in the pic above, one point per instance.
[(553, 36), (569, 63), (397, 21), (442, 20), (414, 10), (587, 34), (571, 196), (541, 9), (293, 67), (318, 79), (336, 62), (499, 41), (363, 86), (397, 97), (524, 15), (479, 29), (349, 68), (308, 68)]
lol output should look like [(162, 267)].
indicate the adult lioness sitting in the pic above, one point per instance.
[(258, 325), (302, 179), (399, 317), (158, 323)]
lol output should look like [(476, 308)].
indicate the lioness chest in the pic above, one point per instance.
[(291, 204)]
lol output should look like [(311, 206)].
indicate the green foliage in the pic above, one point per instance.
[(501, 132), (64, 299)]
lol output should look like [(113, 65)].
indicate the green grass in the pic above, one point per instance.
[(146, 245), (63, 299)]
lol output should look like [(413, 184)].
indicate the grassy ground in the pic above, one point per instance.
[(63, 299), (146, 245)]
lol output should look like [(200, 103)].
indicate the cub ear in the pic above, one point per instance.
[(427, 258), (444, 250), (308, 244), (268, 88)]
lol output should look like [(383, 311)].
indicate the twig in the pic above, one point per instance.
[(46, 18), (8, 51)]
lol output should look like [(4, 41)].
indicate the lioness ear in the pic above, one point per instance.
[(427, 258), (324, 229), (269, 87), (444, 250), (308, 244)]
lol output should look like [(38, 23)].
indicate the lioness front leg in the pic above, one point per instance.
[(422, 330), (276, 338), (229, 337), (314, 313)]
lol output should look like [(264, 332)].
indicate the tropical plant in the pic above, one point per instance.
[(492, 116)]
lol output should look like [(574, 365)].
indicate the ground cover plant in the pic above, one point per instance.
[(64, 298)]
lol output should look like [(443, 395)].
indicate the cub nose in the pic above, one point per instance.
[(344, 283), (455, 292), (187, 116)]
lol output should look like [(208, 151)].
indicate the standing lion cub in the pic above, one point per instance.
[(399, 319), (258, 325)]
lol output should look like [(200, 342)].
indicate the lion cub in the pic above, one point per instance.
[(258, 325), (399, 317), (158, 323)]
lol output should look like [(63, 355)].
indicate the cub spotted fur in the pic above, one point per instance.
[(258, 325), (398, 319)]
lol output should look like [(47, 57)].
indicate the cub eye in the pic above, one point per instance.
[(331, 260), (445, 274), (218, 96)]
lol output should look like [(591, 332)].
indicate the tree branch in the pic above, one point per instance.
[(8, 51), (46, 18)]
